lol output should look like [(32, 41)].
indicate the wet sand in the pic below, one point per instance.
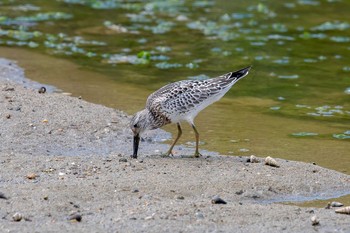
[(61, 155)]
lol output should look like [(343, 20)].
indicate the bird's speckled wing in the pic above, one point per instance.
[(183, 96)]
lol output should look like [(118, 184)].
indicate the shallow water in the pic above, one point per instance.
[(321, 203), (294, 104)]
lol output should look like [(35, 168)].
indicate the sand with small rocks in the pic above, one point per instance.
[(63, 159)]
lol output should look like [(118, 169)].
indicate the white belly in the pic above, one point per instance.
[(192, 113)]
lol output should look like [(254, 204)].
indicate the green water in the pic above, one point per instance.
[(294, 104)]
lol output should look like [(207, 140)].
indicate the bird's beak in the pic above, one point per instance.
[(242, 73), (136, 145)]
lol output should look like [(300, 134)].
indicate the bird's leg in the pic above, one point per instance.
[(196, 153), (179, 133)]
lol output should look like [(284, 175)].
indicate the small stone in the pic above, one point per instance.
[(8, 116), (2, 196), (8, 89), (239, 192), (253, 159), (123, 160), (179, 197), (199, 215), (343, 210), (17, 217), (42, 90), (336, 204), (315, 221), (75, 217), (271, 162), (135, 190), (328, 206), (217, 200), (31, 176), (46, 198), (150, 217)]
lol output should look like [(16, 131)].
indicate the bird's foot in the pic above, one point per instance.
[(197, 154), (167, 154)]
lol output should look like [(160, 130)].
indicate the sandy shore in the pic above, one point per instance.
[(61, 155)]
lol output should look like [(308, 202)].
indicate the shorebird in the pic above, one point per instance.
[(181, 101)]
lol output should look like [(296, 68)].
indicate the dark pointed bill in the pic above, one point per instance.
[(241, 73), (136, 146)]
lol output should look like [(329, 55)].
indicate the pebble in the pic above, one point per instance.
[(179, 197), (124, 160), (2, 196), (217, 200), (253, 159), (343, 210), (199, 215), (17, 217), (75, 217), (42, 90), (8, 89), (74, 205), (336, 204), (239, 192), (271, 162), (31, 176), (328, 206), (315, 221), (150, 217)]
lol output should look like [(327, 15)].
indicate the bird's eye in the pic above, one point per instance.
[(135, 126)]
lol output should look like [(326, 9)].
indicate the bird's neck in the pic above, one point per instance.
[(155, 121)]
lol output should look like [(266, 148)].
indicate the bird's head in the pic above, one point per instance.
[(138, 122), (138, 125)]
